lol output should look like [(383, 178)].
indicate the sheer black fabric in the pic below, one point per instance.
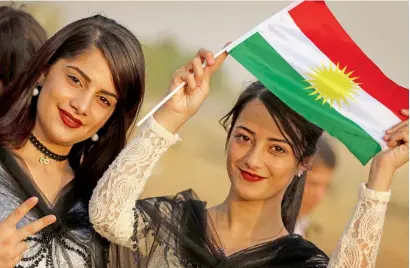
[(175, 232), (70, 242)]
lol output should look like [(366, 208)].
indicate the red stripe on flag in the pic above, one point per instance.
[(318, 23)]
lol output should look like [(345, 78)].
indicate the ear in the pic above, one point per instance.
[(306, 164), (40, 80)]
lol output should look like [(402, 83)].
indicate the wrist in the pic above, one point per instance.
[(171, 121), (380, 177)]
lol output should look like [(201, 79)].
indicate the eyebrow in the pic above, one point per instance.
[(253, 133), (109, 94), (89, 80), (81, 72)]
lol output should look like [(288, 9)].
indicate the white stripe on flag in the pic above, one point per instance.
[(288, 40), (254, 30)]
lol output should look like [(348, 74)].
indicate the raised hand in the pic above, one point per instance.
[(389, 160), (12, 245), (186, 102)]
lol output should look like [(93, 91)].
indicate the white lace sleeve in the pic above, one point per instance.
[(111, 205), (360, 242)]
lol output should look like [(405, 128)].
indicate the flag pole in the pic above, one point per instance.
[(172, 93)]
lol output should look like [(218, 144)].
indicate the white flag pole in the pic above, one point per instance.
[(172, 94)]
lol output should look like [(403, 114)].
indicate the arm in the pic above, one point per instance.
[(359, 245), (111, 205)]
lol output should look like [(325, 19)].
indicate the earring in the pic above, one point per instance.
[(300, 173), (95, 137), (36, 90)]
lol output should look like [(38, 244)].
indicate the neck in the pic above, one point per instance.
[(32, 155), (52, 146), (258, 219)]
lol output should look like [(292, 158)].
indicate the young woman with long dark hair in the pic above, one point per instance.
[(269, 147), (63, 121)]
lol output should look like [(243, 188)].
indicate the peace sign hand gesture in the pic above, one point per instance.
[(12, 245)]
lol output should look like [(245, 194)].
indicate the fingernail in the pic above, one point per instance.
[(52, 218), (386, 137), (34, 198)]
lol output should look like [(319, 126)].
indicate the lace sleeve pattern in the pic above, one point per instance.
[(113, 200), (359, 245)]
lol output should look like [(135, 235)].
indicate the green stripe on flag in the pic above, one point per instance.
[(261, 59)]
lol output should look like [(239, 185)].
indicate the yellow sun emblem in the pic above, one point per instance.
[(332, 84)]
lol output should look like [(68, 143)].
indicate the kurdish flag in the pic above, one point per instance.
[(304, 56)]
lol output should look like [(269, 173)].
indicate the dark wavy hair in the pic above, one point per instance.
[(302, 136), (125, 58), (20, 37)]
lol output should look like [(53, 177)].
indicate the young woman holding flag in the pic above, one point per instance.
[(269, 147)]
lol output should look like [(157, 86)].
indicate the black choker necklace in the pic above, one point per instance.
[(47, 153)]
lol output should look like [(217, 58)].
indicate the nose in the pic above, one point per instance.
[(82, 103), (254, 157)]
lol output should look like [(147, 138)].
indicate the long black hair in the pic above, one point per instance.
[(125, 58), (303, 137), (20, 37)]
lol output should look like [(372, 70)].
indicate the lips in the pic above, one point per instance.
[(69, 120), (250, 176)]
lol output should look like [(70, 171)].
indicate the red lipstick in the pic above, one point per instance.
[(250, 176), (69, 120)]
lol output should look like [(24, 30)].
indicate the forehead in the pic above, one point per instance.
[(257, 117), (93, 63)]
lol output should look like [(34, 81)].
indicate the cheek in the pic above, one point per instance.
[(234, 152), (233, 156), (281, 171), (46, 102), (281, 166), (56, 91), (99, 117)]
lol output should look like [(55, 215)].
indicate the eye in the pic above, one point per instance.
[(277, 149), (74, 80), (242, 138), (104, 100)]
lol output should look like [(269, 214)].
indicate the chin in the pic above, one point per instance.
[(247, 192), (61, 136)]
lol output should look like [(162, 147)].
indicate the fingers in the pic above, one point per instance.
[(194, 74), (219, 60), (397, 126), (400, 135), (21, 211), (182, 75), (206, 55), (404, 112), (209, 70), (198, 70), (34, 227)]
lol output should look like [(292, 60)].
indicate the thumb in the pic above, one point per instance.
[(209, 70)]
